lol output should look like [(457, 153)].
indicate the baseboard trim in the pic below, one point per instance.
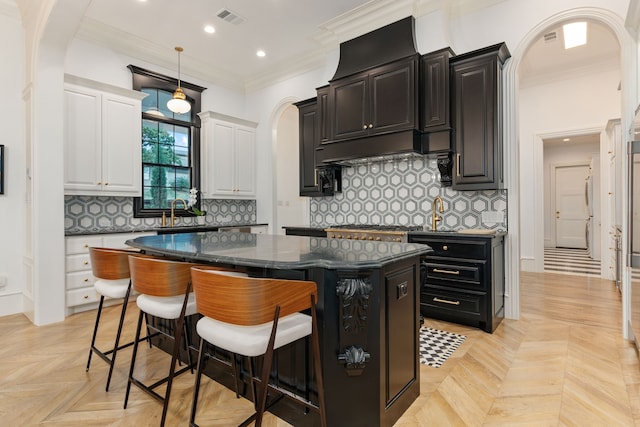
[(11, 303)]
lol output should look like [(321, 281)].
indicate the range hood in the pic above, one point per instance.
[(374, 98), (387, 44)]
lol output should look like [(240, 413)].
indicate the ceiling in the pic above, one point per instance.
[(295, 34)]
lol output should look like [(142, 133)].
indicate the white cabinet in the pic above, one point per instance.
[(259, 229), (228, 157), (80, 295), (102, 139)]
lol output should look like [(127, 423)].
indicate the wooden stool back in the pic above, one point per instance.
[(159, 277), (248, 301), (110, 264)]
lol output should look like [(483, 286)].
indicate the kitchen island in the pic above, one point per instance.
[(368, 303)]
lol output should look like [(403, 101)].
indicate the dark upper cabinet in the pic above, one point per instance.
[(435, 110), (377, 101), (476, 92), (309, 128), (434, 91), (315, 180)]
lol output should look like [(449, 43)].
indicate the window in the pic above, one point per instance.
[(170, 144)]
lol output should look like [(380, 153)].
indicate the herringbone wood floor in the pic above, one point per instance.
[(564, 363)]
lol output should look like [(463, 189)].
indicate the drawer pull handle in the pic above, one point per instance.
[(438, 270), (446, 301)]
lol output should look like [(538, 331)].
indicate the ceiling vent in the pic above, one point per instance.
[(230, 16), (550, 37)]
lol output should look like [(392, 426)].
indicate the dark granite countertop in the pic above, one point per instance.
[(278, 251), (159, 230)]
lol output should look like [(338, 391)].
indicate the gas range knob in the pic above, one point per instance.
[(370, 237), (338, 236), (363, 238), (378, 239), (348, 236), (398, 240)]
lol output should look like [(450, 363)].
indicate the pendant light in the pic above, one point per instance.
[(178, 104)]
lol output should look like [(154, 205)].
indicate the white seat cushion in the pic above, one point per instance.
[(253, 340), (166, 307), (112, 288)]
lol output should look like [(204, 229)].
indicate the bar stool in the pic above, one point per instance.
[(111, 269), (252, 317), (164, 287)]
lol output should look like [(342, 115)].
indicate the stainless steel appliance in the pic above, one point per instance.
[(374, 232)]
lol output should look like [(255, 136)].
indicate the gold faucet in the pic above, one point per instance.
[(173, 204), (435, 218)]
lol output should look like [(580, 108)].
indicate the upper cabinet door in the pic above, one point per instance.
[(477, 82), (223, 160), (121, 144), (393, 97), (82, 140), (349, 106), (246, 162)]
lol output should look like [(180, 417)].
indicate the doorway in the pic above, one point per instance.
[(571, 206)]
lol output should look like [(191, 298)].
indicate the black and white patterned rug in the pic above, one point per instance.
[(436, 346)]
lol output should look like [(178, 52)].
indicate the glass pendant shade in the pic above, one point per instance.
[(179, 104)]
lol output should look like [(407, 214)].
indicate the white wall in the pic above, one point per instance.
[(12, 211), (583, 102)]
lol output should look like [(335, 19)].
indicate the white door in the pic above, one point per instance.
[(572, 214)]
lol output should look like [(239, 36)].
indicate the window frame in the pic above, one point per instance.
[(143, 78)]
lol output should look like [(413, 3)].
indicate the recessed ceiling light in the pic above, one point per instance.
[(261, 53), (209, 29), (575, 34)]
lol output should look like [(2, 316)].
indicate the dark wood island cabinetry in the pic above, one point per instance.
[(367, 312)]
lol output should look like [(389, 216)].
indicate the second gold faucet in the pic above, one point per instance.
[(435, 218), (173, 204)]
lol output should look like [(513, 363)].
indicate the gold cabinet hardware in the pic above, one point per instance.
[(106, 183), (99, 182), (315, 177), (364, 127), (370, 126), (446, 301), (86, 245), (86, 297), (85, 280), (458, 164), (445, 248), (439, 270), (557, 214), (86, 262)]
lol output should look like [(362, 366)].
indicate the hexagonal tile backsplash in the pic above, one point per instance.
[(85, 214), (400, 192)]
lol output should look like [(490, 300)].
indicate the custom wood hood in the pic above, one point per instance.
[(374, 102), (387, 44)]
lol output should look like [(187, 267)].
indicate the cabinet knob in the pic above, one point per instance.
[(86, 245), (370, 125), (86, 262), (364, 127), (106, 183), (85, 280), (99, 182), (86, 297), (445, 248)]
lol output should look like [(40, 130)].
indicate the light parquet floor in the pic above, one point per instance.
[(563, 363)]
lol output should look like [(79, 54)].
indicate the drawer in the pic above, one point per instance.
[(456, 304), (77, 262), (82, 296), (456, 248), (80, 244), (466, 275), (80, 279)]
